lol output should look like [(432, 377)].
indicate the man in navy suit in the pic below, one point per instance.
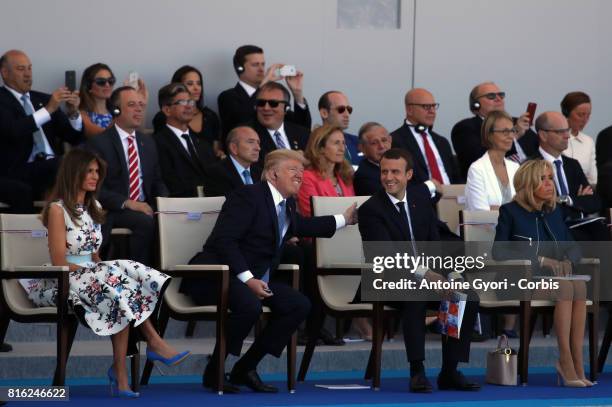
[(434, 163), (374, 140), (395, 215), (237, 169), (465, 135), (335, 110), (32, 125), (133, 179), (253, 224), (182, 157), (236, 104)]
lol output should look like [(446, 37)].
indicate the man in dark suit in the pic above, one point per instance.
[(272, 102), (395, 215), (374, 140), (32, 125), (574, 191), (183, 158), (252, 226), (236, 104), (237, 169), (335, 110), (465, 135), (133, 178), (433, 159)]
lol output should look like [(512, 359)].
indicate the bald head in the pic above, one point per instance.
[(420, 107), (243, 145), (16, 70), (482, 94), (553, 132)]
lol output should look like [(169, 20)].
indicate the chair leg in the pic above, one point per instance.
[(291, 358), (377, 338), (135, 366), (525, 322), (593, 321), (72, 325), (164, 316), (190, 329), (339, 328), (546, 324), (4, 324), (605, 345), (310, 347), (63, 329), (370, 366)]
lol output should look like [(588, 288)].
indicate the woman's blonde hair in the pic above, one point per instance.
[(316, 142), (527, 179)]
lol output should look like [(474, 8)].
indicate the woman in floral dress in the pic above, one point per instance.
[(107, 295)]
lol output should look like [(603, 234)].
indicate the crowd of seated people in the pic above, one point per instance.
[(195, 152)]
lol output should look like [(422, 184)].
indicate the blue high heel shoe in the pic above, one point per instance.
[(174, 360), (120, 393)]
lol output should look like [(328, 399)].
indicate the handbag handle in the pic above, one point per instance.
[(502, 338)]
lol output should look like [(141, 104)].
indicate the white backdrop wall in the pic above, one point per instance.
[(536, 51)]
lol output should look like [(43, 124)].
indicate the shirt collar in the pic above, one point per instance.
[(15, 93), (395, 201), (281, 130), (412, 127), (548, 157), (276, 196), (247, 88), (177, 131), (238, 166), (579, 137), (123, 134)]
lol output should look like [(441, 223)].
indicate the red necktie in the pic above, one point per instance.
[(431, 160), (134, 169)]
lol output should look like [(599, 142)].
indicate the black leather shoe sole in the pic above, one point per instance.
[(5, 347), (253, 382)]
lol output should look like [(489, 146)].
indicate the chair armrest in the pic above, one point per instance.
[(197, 270), (588, 260), (499, 263), (288, 267), (35, 272), (294, 269)]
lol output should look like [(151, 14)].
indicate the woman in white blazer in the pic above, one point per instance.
[(489, 181)]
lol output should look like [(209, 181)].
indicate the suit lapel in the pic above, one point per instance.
[(176, 143), (271, 210), (16, 105), (395, 216), (414, 147), (232, 173), (118, 146), (294, 143)]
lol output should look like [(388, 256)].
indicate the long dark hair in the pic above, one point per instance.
[(89, 74), (68, 183), (184, 70)]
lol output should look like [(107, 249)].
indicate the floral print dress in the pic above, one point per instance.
[(111, 293)]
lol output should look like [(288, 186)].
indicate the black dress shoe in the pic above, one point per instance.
[(5, 347), (210, 382), (330, 339), (420, 384), (252, 380), (456, 381)]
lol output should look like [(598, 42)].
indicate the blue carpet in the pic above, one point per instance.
[(542, 391)]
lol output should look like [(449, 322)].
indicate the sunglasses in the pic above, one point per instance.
[(184, 102), (342, 109), (273, 103), (103, 81), (493, 95)]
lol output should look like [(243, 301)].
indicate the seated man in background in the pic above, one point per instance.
[(335, 110), (236, 104), (374, 140), (183, 157)]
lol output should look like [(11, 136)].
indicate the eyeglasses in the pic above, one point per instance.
[(426, 106), (103, 81), (273, 103), (505, 132), (342, 109), (492, 95), (558, 131), (184, 102)]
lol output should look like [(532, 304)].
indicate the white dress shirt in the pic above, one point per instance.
[(582, 148), (247, 88), (123, 135), (552, 160), (179, 135), (419, 140), (284, 137)]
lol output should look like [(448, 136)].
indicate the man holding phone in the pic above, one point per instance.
[(33, 126), (465, 135)]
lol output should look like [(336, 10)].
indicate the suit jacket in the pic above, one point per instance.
[(246, 235), (403, 138), (604, 184), (211, 126), (223, 178), (467, 142), (352, 141), (297, 135), (366, 180), (603, 147), (482, 188), (313, 184), (115, 189), (236, 107), (575, 178), (16, 129), (182, 173)]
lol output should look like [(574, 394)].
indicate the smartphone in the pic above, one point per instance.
[(133, 79), (70, 80), (287, 70), (531, 109)]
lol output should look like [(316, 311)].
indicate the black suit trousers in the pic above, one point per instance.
[(413, 325), (39, 175), (143, 232)]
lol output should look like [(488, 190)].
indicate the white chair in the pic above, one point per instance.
[(24, 251), (449, 205), (479, 226), (339, 261)]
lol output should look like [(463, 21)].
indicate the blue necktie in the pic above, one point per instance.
[(279, 140), (246, 174), (561, 178), (282, 220), (39, 143)]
